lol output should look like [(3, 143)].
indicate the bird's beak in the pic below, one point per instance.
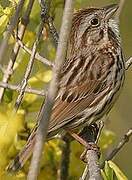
[(110, 10)]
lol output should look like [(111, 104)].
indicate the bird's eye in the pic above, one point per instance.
[(94, 22)]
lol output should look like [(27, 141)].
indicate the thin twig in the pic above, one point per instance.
[(85, 174), (53, 88), (49, 20), (15, 51), (18, 88), (53, 31), (119, 11), (119, 146), (11, 26), (101, 125), (128, 63), (28, 69), (37, 55)]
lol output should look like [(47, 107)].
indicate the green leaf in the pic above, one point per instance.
[(120, 175), (108, 171), (103, 175)]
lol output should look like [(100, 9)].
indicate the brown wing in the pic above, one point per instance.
[(79, 96)]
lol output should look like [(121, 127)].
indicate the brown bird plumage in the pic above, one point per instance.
[(90, 79)]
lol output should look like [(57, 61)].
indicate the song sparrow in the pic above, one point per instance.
[(90, 79)]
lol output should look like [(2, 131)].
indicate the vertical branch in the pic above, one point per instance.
[(92, 170), (53, 31), (91, 155), (13, 23), (65, 159), (47, 19), (15, 51), (53, 88), (29, 68)]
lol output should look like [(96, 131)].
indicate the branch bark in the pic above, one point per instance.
[(65, 160), (53, 88), (15, 51), (92, 169), (47, 19), (119, 146), (29, 68), (37, 55), (18, 88), (7, 34), (91, 135), (128, 63)]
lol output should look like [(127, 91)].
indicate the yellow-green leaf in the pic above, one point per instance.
[(120, 175)]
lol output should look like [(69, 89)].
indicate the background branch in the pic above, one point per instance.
[(37, 55), (18, 88), (128, 63), (28, 69), (119, 146), (11, 26), (65, 160), (49, 20), (15, 51)]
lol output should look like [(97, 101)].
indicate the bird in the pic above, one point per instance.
[(91, 77)]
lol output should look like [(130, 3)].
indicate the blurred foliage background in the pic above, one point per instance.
[(15, 130)]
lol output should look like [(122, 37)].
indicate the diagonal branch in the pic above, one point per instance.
[(53, 88), (15, 51), (37, 55), (119, 146), (128, 63), (29, 69), (7, 34)]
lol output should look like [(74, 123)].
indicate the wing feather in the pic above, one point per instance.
[(75, 98), (64, 111)]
